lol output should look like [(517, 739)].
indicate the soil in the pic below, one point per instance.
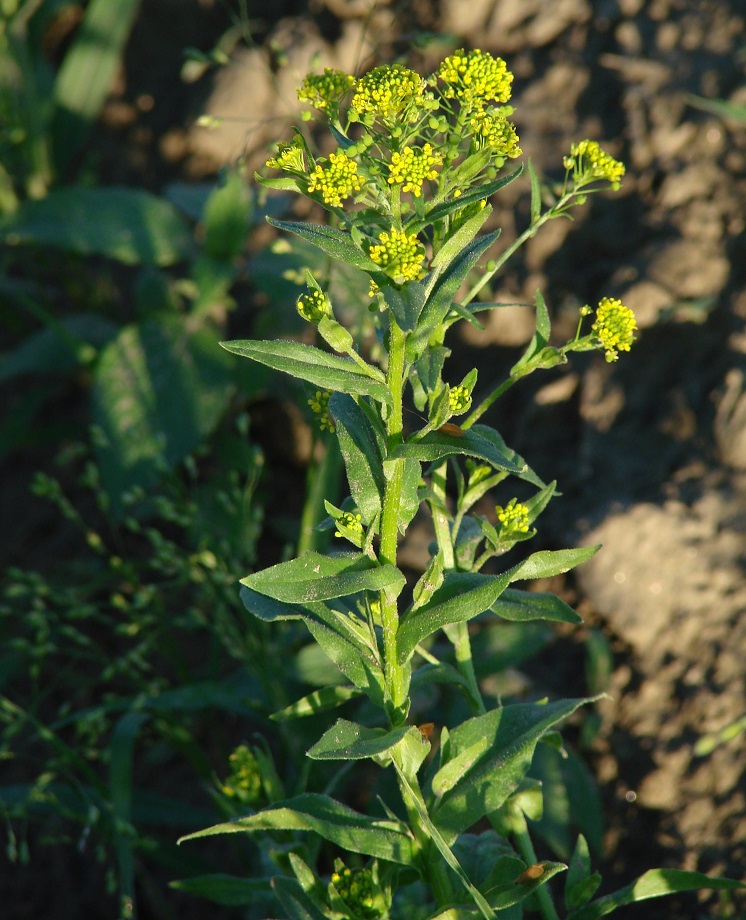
[(650, 453)]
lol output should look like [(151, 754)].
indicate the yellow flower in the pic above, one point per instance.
[(513, 518), (412, 166), (588, 161), (325, 91), (459, 400), (615, 326), (496, 132), (336, 179), (387, 92), (351, 521), (399, 255), (314, 306), (319, 404), (475, 78), (290, 157)]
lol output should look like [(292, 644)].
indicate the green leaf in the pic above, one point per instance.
[(494, 437), (315, 577), (509, 735), (438, 445), (361, 449), (460, 239), (296, 902), (654, 883), (267, 608), (333, 242), (349, 741), (462, 596), (125, 224), (548, 563), (381, 838), (443, 848), (87, 73), (317, 367), (158, 391), (227, 217), (344, 641), (443, 293), (318, 701), (581, 884), (520, 606), (220, 888), (479, 193), (406, 302)]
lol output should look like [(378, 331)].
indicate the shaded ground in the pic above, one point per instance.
[(650, 455)]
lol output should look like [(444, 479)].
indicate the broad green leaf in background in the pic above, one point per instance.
[(227, 217), (126, 224), (319, 701), (383, 838), (508, 736), (87, 73), (229, 890), (159, 389), (317, 367)]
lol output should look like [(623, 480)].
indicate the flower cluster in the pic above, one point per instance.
[(358, 891), (589, 161), (289, 157), (314, 306), (244, 783), (494, 131), (615, 326), (387, 92), (412, 166), (459, 400), (325, 91), (513, 518), (351, 521), (399, 255), (336, 178), (475, 78), (319, 404)]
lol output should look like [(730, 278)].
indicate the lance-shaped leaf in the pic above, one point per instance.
[(221, 888), (508, 736), (479, 193), (335, 243), (655, 883), (318, 701), (460, 239), (382, 838), (347, 740), (438, 445), (315, 577), (491, 435), (348, 649), (296, 903), (314, 365), (443, 293), (361, 450), (406, 302), (520, 606), (462, 596), (548, 562)]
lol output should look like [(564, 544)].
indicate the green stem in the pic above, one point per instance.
[(484, 405), (394, 673), (555, 211), (458, 633), (526, 849)]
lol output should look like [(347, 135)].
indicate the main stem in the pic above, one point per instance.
[(394, 673)]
